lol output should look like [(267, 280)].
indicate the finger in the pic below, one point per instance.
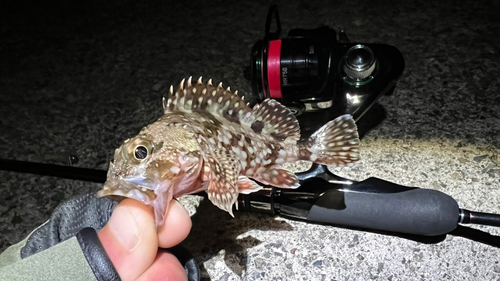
[(130, 238), (176, 227), (165, 267)]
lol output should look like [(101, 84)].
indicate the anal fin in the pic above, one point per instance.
[(279, 177), (247, 186)]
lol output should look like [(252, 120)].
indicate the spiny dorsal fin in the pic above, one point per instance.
[(269, 119), (217, 100)]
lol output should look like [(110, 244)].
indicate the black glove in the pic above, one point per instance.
[(83, 217)]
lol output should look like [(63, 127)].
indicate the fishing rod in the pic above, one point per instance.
[(326, 198)]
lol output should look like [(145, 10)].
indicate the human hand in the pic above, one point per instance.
[(132, 241)]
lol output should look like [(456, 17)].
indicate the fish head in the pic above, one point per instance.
[(133, 170), (149, 171)]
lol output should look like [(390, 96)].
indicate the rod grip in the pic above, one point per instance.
[(405, 210)]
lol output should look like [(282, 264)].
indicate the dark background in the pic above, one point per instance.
[(79, 77)]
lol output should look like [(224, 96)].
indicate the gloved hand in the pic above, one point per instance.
[(128, 245)]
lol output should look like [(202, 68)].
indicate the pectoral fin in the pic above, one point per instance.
[(223, 187)]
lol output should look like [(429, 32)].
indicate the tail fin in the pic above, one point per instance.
[(336, 143)]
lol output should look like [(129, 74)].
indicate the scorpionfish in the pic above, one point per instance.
[(210, 139)]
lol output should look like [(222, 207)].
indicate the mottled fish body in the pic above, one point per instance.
[(210, 139)]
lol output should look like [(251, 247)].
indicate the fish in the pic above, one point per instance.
[(210, 139)]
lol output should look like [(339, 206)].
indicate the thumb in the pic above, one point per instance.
[(130, 238)]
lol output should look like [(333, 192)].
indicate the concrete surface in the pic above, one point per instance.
[(80, 77)]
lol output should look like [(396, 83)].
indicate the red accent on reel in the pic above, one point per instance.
[(274, 69)]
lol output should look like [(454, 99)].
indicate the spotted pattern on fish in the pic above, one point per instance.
[(212, 140)]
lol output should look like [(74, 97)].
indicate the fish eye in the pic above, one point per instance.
[(141, 152)]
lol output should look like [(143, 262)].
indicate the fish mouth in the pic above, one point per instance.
[(128, 188)]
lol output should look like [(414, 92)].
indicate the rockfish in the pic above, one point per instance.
[(210, 139)]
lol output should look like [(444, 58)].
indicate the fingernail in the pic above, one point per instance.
[(178, 206), (124, 227)]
